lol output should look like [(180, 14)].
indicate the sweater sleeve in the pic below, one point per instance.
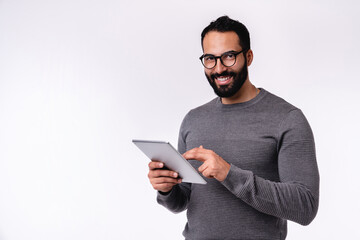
[(296, 196), (177, 199)]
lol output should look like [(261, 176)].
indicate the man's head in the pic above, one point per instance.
[(226, 44), (226, 24)]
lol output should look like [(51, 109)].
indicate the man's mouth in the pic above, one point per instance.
[(223, 80)]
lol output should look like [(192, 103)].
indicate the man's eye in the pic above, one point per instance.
[(209, 58), (229, 56)]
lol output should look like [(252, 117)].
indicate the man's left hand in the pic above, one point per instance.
[(213, 165)]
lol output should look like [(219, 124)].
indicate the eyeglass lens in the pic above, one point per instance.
[(227, 59)]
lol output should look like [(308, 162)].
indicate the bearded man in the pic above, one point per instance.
[(256, 151)]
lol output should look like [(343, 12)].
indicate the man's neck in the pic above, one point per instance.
[(246, 93)]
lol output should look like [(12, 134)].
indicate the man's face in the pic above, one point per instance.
[(226, 81)]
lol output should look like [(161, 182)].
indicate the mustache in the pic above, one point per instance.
[(226, 73)]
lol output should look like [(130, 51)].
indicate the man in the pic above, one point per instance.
[(256, 151)]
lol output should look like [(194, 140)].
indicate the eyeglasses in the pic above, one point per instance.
[(227, 59)]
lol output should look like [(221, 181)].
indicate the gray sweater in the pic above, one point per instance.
[(273, 176)]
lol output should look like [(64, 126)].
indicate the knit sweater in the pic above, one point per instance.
[(273, 175)]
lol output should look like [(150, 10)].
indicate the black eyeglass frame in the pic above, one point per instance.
[(220, 57)]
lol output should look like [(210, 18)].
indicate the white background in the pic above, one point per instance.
[(79, 79)]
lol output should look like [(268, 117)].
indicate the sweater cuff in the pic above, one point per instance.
[(164, 196), (237, 180)]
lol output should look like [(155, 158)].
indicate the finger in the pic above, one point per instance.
[(155, 165), (207, 173), (162, 180), (202, 167), (164, 187), (162, 173), (200, 154)]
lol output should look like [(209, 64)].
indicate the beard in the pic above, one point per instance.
[(230, 90)]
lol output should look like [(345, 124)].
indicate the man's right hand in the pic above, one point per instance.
[(161, 179)]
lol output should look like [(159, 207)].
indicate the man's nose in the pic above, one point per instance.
[(219, 67)]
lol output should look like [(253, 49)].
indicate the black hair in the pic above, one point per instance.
[(226, 24)]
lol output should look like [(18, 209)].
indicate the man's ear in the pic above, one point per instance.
[(249, 57)]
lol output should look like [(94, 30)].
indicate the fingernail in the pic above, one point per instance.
[(161, 165), (175, 174)]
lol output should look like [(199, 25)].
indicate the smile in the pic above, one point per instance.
[(223, 80)]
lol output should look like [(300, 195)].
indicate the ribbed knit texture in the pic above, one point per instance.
[(273, 175)]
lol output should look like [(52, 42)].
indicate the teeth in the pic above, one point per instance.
[(223, 79)]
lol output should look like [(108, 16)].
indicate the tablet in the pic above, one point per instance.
[(166, 153)]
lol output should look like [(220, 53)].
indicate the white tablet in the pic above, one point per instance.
[(166, 153)]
